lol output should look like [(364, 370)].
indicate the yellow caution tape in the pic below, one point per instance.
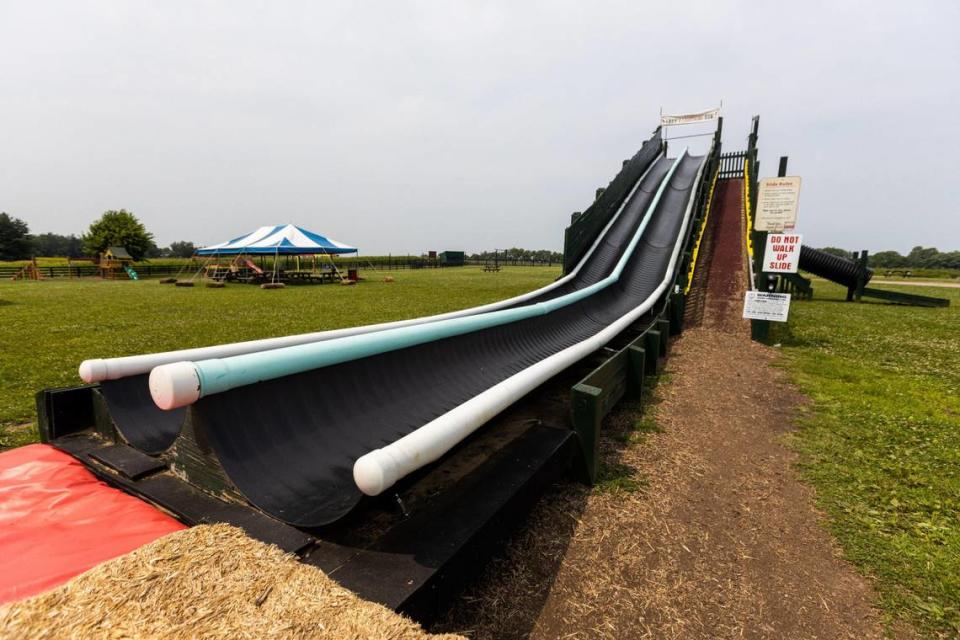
[(746, 205), (703, 226)]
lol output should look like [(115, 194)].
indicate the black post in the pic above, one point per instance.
[(781, 172), (855, 292), (759, 329), (852, 289)]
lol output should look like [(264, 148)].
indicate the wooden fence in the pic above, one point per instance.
[(188, 270)]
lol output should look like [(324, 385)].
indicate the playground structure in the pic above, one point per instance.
[(115, 261), (396, 457), (29, 271)]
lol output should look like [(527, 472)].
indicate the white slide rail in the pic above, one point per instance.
[(381, 468), (100, 369)]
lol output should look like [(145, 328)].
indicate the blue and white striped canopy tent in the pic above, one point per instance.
[(284, 239)]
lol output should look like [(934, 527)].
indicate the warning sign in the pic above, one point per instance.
[(777, 200), (782, 253), (760, 305)]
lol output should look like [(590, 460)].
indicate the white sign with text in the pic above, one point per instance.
[(689, 118), (760, 305), (777, 200)]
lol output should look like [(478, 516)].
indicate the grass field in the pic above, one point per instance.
[(47, 328), (881, 442)]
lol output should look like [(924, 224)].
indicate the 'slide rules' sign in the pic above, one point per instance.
[(760, 305), (777, 201), (782, 253)]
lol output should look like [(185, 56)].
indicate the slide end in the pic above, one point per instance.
[(93, 370), (375, 472), (175, 385)]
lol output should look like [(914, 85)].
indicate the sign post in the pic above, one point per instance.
[(775, 210)]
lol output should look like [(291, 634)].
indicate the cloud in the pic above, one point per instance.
[(407, 126)]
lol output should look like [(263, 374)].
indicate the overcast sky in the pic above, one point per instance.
[(406, 126)]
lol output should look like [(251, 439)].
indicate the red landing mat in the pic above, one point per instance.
[(57, 520)]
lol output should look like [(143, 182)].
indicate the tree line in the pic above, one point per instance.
[(515, 254), (121, 228), (115, 228), (918, 258)]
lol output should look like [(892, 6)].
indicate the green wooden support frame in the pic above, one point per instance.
[(677, 307), (585, 226), (620, 376), (651, 344), (585, 412), (663, 325)]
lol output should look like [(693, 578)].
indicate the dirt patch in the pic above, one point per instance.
[(721, 541)]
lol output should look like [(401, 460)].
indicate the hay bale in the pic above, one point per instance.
[(185, 283), (272, 285), (210, 581), (388, 279)]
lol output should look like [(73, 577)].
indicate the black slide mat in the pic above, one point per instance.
[(289, 444), (153, 430)]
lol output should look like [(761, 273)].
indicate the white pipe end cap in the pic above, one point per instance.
[(374, 472), (93, 370), (174, 385)]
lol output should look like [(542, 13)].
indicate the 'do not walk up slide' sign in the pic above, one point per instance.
[(782, 253)]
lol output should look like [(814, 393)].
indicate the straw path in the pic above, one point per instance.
[(207, 582)]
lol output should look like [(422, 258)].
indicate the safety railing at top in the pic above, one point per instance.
[(585, 227)]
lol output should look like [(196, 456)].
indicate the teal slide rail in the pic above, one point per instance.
[(219, 375)]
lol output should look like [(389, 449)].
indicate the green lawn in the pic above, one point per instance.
[(48, 327), (881, 442)]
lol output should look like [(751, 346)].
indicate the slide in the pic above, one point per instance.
[(123, 381), (305, 429), (294, 445), (608, 205), (835, 268), (253, 266)]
